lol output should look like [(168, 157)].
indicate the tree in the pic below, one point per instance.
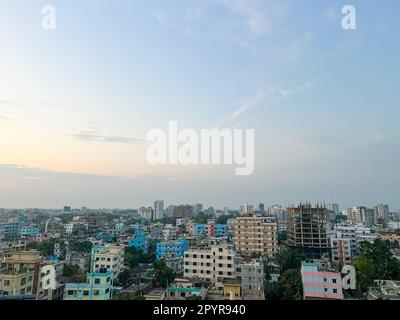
[(123, 278), (223, 219), (202, 218), (288, 259), (288, 287), (163, 276), (81, 246)]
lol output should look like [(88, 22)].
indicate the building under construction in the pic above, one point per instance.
[(307, 230)]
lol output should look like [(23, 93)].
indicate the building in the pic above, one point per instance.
[(256, 234), (212, 265), (182, 211), (25, 260), (109, 257), (139, 241), (16, 282), (384, 290), (381, 212), (246, 209), (361, 215), (155, 294), (29, 231), (183, 289), (99, 286), (252, 275), (158, 209), (197, 208), (172, 252), (211, 229), (307, 230), (319, 284), (146, 213)]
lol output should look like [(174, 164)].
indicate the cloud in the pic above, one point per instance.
[(240, 22), (262, 96), (95, 136)]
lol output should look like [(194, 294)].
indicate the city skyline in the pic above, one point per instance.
[(76, 102)]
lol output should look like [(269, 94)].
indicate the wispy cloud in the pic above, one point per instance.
[(96, 136), (263, 96)]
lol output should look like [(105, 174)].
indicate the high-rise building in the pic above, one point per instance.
[(256, 234), (361, 215), (381, 211), (246, 209), (197, 208), (158, 209), (307, 230)]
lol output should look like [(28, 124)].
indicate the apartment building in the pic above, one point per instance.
[(16, 282), (256, 234), (320, 284), (109, 257), (172, 252), (211, 230), (252, 275), (99, 286), (22, 261), (307, 230), (211, 265)]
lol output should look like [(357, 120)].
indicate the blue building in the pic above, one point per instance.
[(29, 231), (139, 241), (172, 252), (99, 286), (211, 230)]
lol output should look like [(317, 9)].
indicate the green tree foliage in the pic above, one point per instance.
[(288, 287), (126, 296), (133, 257), (123, 278), (163, 276), (375, 262), (81, 246), (288, 259), (202, 218), (223, 219)]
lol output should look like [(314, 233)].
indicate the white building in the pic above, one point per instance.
[(158, 209), (69, 228), (246, 209), (212, 265)]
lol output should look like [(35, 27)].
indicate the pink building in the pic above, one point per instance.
[(318, 284)]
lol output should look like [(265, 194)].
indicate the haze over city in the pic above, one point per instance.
[(76, 102)]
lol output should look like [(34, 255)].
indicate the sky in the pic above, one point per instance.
[(76, 102)]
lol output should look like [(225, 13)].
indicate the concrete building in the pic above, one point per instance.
[(246, 209), (99, 286), (211, 265), (384, 290), (16, 282), (211, 229), (307, 230), (172, 252), (25, 260), (256, 234), (381, 211), (252, 275), (361, 215), (320, 284), (109, 257), (158, 209)]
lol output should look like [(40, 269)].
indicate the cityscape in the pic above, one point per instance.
[(190, 252), (199, 157)]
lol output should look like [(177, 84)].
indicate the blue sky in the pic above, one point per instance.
[(76, 102)]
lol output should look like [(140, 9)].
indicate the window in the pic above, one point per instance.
[(333, 280), (70, 292), (97, 281), (86, 293), (334, 290)]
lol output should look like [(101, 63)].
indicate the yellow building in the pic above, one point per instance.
[(15, 283), (256, 234)]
